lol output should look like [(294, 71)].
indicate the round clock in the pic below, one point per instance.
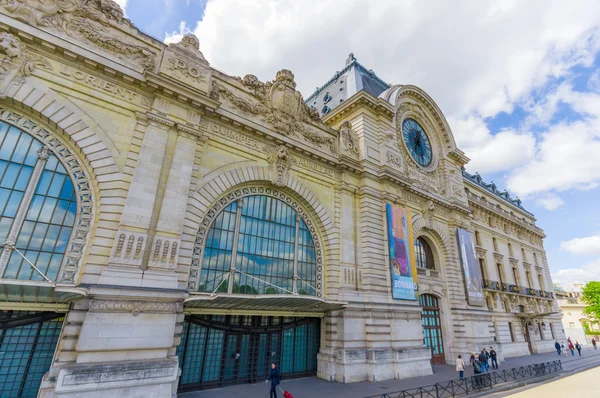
[(417, 142)]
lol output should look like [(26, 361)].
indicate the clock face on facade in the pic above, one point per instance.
[(417, 142)]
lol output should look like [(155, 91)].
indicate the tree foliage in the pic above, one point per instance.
[(591, 297)]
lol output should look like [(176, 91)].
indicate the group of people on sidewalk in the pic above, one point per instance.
[(562, 350), (480, 363)]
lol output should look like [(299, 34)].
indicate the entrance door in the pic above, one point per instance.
[(528, 334), (218, 350), (432, 328), (27, 344)]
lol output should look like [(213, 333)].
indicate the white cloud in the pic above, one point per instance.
[(476, 60), (589, 272), (587, 245), (550, 201), (176, 36)]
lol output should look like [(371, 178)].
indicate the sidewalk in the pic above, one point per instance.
[(312, 387)]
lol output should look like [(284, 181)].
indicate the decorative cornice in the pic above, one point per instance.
[(135, 307), (155, 117), (513, 261), (193, 132), (491, 187), (498, 258), (480, 252)]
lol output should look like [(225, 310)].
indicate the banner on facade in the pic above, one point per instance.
[(402, 253), (471, 271)]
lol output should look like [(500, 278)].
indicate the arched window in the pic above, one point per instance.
[(37, 207), (267, 245), (424, 254)]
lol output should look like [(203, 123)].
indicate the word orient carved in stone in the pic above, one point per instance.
[(16, 62), (135, 307), (96, 22), (98, 82)]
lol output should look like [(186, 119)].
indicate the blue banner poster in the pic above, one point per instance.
[(471, 270), (402, 254)]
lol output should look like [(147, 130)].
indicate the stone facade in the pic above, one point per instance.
[(157, 142)]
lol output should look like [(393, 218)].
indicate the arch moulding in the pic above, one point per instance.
[(234, 184), (422, 225)]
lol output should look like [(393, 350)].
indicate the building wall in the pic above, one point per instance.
[(158, 143)]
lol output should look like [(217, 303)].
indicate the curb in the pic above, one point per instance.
[(531, 383)]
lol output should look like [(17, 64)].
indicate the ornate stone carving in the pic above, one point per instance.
[(164, 253), (94, 21), (426, 181), (128, 248), (16, 62), (281, 162), (480, 252), (235, 195), (394, 159), (428, 211), (349, 139), (498, 258), (280, 105), (135, 307), (185, 62), (85, 209)]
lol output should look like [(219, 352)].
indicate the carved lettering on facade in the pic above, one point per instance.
[(97, 82), (232, 135), (394, 159), (313, 166)]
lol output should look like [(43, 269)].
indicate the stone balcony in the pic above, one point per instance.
[(514, 289)]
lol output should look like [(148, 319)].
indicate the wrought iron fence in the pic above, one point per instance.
[(474, 384)]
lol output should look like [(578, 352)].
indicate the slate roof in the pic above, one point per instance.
[(344, 84), (491, 187)]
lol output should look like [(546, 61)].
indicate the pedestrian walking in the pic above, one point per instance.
[(564, 350), (578, 347), (460, 367), (572, 348), (594, 343), (494, 357), (485, 367), (557, 346), (477, 368), (275, 379)]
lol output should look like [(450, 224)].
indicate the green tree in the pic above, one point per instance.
[(591, 297)]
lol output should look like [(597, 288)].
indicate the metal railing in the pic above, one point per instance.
[(474, 384), (504, 287)]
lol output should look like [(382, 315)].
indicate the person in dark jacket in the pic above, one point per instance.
[(558, 348), (578, 347), (494, 358), (484, 362), (275, 379)]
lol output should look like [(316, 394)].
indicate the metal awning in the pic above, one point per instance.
[(267, 303), (21, 294), (534, 315)]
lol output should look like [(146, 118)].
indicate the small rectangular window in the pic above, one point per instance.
[(495, 242), (477, 238), (510, 329), (482, 268), (552, 331), (510, 250)]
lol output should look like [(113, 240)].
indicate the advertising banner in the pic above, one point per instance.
[(402, 253), (470, 266)]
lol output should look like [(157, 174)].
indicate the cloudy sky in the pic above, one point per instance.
[(519, 82)]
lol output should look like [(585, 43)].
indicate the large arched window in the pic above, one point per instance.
[(37, 207), (264, 244), (424, 254)]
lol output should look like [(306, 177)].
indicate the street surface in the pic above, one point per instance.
[(312, 387), (580, 385)]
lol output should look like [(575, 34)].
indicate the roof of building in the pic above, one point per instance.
[(344, 84), (491, 187), (355, 78)]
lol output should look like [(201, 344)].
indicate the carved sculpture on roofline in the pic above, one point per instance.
[(184, 62), (16, 62), (280, 105), (95, 22)]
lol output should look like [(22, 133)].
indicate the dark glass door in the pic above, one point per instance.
[(27, 344), (432, 328), (218, 350)]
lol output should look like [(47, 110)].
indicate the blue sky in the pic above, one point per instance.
[(519, 83)]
